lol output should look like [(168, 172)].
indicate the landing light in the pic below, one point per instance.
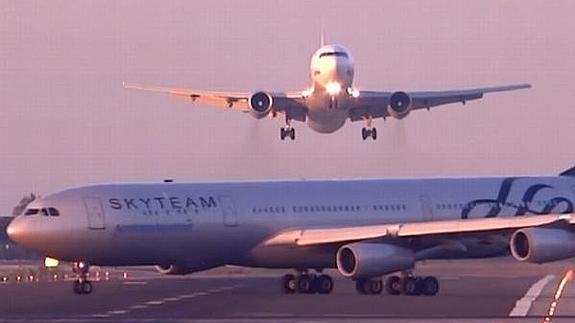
[(353, 92), (333, 88), (51, 262)]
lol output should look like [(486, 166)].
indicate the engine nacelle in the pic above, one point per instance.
[(260, 104), (541, 245), (399, 105), (366, 260), (173, 270)]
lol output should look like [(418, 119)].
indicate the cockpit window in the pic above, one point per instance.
[(31, 211), (53, 212), (45, 212), (337, 54)]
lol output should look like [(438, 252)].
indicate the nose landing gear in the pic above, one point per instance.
[(82, 285)]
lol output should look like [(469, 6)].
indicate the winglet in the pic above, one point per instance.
[(569, 172)]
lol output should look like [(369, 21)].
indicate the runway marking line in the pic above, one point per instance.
[(523, 305), (135, 283), (116, 312), (165, 300)]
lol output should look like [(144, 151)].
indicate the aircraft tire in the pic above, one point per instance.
[(412, 286), (429, 286), (324, 284), (393, 285), (289, 284), (77, 287), (359, 287), (375, 286), (87, 287), (364, 133), (305, 284)]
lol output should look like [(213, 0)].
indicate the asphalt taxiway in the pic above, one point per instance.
[(471, 291)]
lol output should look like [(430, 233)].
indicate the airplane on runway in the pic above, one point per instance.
[(365, 228), (330, 100)]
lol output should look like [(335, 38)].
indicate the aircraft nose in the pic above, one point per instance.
[(14, 230)]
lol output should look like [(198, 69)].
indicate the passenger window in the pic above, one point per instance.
[(31, 211)]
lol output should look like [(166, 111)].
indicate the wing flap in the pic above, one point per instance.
[(316, 236)]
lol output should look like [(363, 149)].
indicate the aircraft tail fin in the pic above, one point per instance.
[(569, 172)]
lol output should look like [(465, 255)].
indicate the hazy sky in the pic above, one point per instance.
[(66, 121)]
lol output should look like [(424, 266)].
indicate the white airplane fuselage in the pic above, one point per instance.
[(331, 71), (204, 225)]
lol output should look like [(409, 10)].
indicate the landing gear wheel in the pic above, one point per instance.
[(393, 285), (289, 284), (86, 287), (369, 286), (83, 287), (287, 132), (375, 286), (305, 284), (364, 133), (292, 133), (324, 284), (359, 287), (429, 286), (77, 287), (412, 286), (368, 132)]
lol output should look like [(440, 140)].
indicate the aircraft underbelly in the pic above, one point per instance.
[(323, 119)]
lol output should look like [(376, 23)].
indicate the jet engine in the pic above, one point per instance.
[(367, 260), (173, 270), (399, 105), (260, 104), (541, 245)]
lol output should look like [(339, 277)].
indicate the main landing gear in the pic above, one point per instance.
[(287, 131), (369, 131), (82, 285), (307, 283), (372, 286), (412, 285)]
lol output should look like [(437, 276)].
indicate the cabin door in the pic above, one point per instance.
[(426, 208), (229, 212), (95, 212)]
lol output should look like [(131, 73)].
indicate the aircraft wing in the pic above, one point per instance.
[(374, 104), (283, 103), (319, 236)]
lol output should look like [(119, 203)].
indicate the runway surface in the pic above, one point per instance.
[(483, 291)]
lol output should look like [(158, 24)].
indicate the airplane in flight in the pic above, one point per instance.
[(330, 100), (366, 229)]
